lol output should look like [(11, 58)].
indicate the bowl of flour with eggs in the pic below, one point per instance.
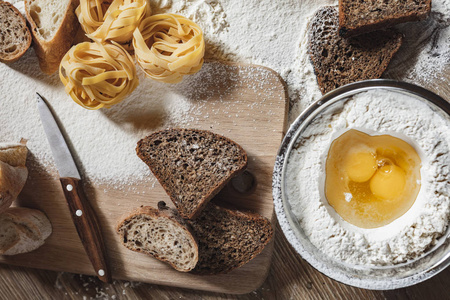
[(411, 248)]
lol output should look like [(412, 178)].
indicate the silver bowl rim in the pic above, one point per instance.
[(281, 204)]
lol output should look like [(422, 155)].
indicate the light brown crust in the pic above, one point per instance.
[(13, 173), (212, 192), (162, 212), (52, 51), (33, 228), (24, 24), (348, 30)]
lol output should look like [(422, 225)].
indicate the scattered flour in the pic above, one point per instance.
[(375, 112), (265, 32)]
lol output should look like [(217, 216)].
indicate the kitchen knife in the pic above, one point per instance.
[(83, 215)]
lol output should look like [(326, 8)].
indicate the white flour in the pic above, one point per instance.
[(376, 112), (266, 32)]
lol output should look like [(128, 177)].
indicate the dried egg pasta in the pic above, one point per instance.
[(98, 75), (168, 46), (113, 20)]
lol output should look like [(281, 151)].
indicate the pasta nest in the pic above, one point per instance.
[(98, 75), (113, 20), (168, 46)]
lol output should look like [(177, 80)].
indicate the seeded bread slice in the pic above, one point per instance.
[(228, 239), (357, 17), (338, 61), (15, 38), (53, 26), (160, 233), (23, 230), (191, 165)]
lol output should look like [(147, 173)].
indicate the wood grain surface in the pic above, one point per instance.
[(255, 97)]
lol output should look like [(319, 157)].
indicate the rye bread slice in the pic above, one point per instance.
[(357, 17), (338, 61), (228, 239), (160, 233), (192, 165), (15, 38)]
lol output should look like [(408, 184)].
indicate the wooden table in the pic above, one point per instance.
[(290, 276)]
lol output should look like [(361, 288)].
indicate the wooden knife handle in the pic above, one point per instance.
[(87, 226)]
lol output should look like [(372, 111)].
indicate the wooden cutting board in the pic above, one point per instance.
[(244, 103)]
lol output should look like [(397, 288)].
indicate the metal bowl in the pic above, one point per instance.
[(369, 277)]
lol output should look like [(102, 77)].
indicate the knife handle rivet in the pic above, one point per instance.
[(101, 272), (69, 187), (79, 213)]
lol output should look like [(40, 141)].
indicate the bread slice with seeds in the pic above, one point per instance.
[(15, 38), (338, 61), (53, 26), (160, 233), (228, 239), (192, 165), (357, 17)]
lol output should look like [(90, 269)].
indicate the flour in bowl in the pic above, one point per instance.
[(409, 236)]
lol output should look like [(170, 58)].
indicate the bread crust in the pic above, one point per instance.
[(50, 52), (163, 211), (347, 30), (212, 192), (32, 228), (28, 34), (13, 173)]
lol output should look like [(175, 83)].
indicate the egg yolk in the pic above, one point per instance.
[(371, 180)]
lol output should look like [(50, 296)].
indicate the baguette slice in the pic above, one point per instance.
[(23, 230), (357, 17), (191, 165), (160, 233), (338, 61), (15, 38), (228, 239), (53, 26), (13, 172)]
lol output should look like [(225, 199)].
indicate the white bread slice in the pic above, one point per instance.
[(160, 233), (15, 38), (53, 27), (13, 173), (23, 230)]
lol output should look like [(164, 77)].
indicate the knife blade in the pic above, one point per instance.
[(82, 214)]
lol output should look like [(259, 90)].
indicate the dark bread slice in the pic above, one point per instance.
[(160, 233), (191, 165), (228, 239), (338, 61), (357, 17), (15, 38)]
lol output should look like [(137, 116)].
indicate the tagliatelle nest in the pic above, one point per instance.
[(112, 20), (168, 46), (98, 75)]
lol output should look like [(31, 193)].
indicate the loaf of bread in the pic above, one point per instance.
[(357, 17), (191, 165), (22, 230), (15, 38), (338, 61), (53, 27), (13, 172), (228, 239), (160, 233)]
